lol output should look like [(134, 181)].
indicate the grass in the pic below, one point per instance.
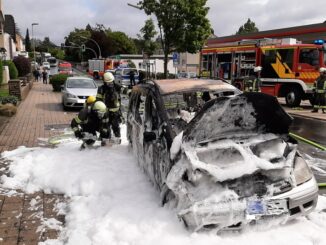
[(4, 92)]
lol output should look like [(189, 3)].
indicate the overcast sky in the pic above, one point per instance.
[(57, 18)]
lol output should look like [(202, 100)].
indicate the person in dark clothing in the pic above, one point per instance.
[(141, 76), (36, 74), (45, 76), (109, 94), (320, 91), (132, 78), (91, 121)]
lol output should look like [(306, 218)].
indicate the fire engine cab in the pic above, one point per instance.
[(289, 68)]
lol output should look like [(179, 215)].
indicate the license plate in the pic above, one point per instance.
[(256, 207)]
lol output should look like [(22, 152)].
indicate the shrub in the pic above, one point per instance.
[(9, 99), (57, 81), (23, 65), (1, 72), (160, 76), (13, 72)]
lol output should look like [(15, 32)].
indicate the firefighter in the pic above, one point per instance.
[(91, 121), (89, 102), (257, 83), (109, 94), (320, 91)]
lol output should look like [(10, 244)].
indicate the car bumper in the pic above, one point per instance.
[(235, 214), (74, 102)]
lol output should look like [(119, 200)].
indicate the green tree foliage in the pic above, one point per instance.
[(45, 45), (183, 24), (122, 44), (248, 27), (148, 32), (74, 39), (13, 72), (23, 65), (28, 44)]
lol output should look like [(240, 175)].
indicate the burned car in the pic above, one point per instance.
[(223, 159)]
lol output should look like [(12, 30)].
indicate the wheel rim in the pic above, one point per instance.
[(290, 98)]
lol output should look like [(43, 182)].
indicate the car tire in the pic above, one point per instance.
[(293, 97)]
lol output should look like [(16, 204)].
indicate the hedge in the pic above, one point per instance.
[(23, 65), (1, 72), (13, 72), (57, 81)]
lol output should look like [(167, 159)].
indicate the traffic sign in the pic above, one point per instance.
[(175, 58)]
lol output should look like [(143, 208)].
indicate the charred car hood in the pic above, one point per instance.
[(225, 117)]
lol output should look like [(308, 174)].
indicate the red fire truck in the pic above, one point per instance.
[(97, 67), (289, 68)]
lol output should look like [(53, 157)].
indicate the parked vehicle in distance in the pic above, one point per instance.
[(122, 76), (187, 75), (65, 68), (23, 53), (34, 65), (223, 159), (76, 90), (46, 65), (53, 61)]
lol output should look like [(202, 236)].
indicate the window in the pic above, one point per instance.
[(309, 56)]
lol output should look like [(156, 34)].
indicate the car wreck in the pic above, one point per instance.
[(224, 162)]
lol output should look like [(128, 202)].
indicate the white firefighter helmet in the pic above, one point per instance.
[(257, 68), (99, 108), (322, 69), (108, 77)]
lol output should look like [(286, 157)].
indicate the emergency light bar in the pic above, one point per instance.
[(319, 41)]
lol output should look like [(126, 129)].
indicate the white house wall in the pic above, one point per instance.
[(159, 65)]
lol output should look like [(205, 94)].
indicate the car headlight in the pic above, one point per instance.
[(302, 172), (71, 96)]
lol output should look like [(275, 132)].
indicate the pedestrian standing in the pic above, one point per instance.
[(320, 91), (132, 78), (45, 77)]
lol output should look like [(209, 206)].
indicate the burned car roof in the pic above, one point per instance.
[(170, 86)]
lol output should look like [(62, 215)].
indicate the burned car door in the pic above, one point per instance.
[(136, 123), (157, 160)]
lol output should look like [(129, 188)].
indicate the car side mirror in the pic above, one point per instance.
[(149, 136)]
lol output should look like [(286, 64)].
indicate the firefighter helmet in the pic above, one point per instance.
[(108, 77), (91, 99), (257, 68), (99, 108), (322, 69)]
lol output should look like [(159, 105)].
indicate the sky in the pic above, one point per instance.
[(112, 202), (57, 18)]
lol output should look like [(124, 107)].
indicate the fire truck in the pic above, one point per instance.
[(289, 68), (97, 67)]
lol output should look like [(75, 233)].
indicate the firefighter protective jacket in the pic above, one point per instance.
[(110, 97), (88, 121)]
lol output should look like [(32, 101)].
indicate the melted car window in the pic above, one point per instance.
[(139, 109)]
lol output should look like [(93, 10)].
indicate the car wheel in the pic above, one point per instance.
[(293, 97)]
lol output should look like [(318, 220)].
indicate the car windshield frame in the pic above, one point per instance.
[(80, 84)]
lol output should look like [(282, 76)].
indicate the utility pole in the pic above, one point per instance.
[(33, 24)]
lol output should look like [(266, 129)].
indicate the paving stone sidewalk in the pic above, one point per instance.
[(23, 217)]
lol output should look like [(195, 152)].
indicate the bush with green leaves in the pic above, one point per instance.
[(23, 65), (57, 81), (9, 99), (13, 72), (1, 72), (160, 76)]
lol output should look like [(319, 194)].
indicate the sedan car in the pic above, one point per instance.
[(223, 159), (76, 90), (46, 65)]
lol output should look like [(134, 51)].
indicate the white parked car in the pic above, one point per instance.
[(76, 90), (46, 65)]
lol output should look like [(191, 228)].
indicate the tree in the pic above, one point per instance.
[(248, 27), (148, 32), (183, 24), (28, 45), (122, 44)]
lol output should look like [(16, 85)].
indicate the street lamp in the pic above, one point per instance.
[(33, 24), (78, 46), (98, 46)]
